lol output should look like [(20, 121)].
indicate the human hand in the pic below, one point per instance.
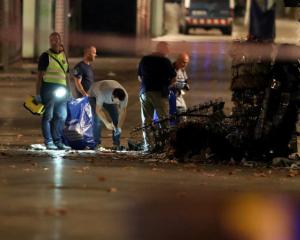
[(38, 99), (180, 84), (187, 87)]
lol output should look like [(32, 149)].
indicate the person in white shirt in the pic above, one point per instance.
[(181, 84), (108, 99)]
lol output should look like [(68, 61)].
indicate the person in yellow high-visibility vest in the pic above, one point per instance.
[(52, 89)]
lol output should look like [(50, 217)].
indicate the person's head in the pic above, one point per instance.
[(162, 48), (119, 93), (90, 54), (55, 42), (182, 60)]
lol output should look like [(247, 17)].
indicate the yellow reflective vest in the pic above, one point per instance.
[(57, 69)]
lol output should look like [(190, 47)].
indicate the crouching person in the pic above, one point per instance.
[(108, 100)]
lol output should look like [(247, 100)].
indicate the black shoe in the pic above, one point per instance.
[(135, 146), (118, 148)]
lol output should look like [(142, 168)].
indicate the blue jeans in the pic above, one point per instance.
[(113, 112), (55, 114)]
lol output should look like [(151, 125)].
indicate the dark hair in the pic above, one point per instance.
[(119, 93)]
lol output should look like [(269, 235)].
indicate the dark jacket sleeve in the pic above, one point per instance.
[(171, 70), (140, 67), (43, 62)]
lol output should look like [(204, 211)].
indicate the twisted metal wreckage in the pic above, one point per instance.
[(262, 124)]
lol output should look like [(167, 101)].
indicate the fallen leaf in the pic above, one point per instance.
[(28, 170), (173, 161), (101, 179), (112, 190), (55, 212), (19, 136), (261, 174), (209, 174), (293, 173)]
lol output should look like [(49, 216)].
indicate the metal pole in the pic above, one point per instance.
[(62, 20), (157, 17), (247, 14), (66, 25)]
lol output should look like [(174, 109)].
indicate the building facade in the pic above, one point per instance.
[(26, 24), (10, 31)]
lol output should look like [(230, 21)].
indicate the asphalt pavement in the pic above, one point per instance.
[(105, 195)]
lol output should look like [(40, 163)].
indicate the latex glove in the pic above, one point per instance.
[(38, 99), (180, 84), (110, 126), (118, 131)]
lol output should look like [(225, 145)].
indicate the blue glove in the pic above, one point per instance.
[(118, 131), (180, 84)]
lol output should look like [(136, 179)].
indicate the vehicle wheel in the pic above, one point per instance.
[(227, 31), (184, 29)]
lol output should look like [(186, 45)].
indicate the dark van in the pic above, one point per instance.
[(207, 14)]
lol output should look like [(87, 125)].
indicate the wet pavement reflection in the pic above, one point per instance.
[(88, 195), (217, 215)]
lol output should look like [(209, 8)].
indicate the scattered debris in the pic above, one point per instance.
[(112, 190), (28, 170), (19, 136), (57, 212), (293, 173), (209, 174), (111, 74), (261, 174), (101, 179), (260, 127)]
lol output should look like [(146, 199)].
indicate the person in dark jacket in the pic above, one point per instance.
[(156, 74)]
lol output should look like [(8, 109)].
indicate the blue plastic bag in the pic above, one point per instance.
[(172, 106), (78, 131)]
